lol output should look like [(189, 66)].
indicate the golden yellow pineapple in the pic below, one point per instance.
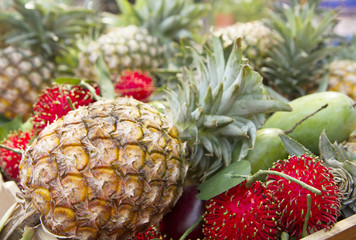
[(342, 77), (105, 171)]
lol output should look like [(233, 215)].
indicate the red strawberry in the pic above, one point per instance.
[(150, 233), (135, 84), (242, 213), (53, 104), (293, 198), (9, 160)]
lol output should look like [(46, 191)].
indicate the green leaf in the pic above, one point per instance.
[(223, 180), (105, 83), (326, 148), (4, 119), (67, 80), (5, 128), (293, 147)]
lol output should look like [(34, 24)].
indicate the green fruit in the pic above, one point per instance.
[(267, 150), (338, 118)]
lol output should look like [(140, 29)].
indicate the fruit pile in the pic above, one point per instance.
[(140, 125)]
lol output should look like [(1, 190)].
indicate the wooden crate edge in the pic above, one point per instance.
[(344, 229)]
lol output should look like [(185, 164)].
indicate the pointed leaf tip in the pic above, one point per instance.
[(223, 180)]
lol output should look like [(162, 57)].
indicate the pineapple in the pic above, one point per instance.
[(219, 107), (117, 166), (27, 63), (256, 39), (141, 37), (342, 71), (114, 168), (130, 47), (296, 63)]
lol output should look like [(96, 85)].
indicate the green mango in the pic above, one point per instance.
[(338, 118), (267, 150)]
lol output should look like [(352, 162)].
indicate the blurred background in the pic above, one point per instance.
[(228, 12)]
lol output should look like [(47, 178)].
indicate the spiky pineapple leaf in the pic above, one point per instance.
[(294, 65), (327, 150), (218, 107), (224, 180), (170, 20), (47, 29), (105, 83), (293, 147)]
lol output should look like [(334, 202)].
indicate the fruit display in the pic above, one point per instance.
[(256, 37), (251, 139), (342, 71), (141, 37), (298, 60), (36, 37)]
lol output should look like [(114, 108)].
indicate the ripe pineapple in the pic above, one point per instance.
[(23, 74), (111, 170), (256, 39), (27, 64), (123, 48), (342, 71), (296, 64), (342, 77), (127, 169), (141, 37)]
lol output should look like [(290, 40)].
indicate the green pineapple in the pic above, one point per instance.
[(142, 36), (296, 63), (27, 63)]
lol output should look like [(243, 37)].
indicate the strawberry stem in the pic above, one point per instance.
[(260, 173), (305, 226), (189, 230), (70, 103), (90, 89), (15, 150)]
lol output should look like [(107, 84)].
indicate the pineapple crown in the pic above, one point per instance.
[(170, 20), (48, 29), (349, 50), (303, 38), (218, 107)]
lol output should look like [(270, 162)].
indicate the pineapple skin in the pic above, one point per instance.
[(342, 77), (122, 48), (256, 39), (106, 171), (23, 75)]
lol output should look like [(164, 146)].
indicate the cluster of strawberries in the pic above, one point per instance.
[(266, 209)]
